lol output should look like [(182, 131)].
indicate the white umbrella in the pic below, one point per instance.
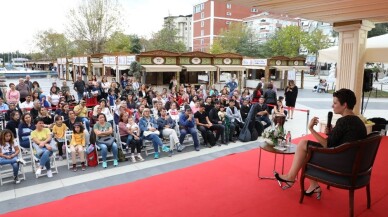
[(376, 51)]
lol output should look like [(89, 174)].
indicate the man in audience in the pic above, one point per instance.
[(203, 125), (217, 123), (79, 87), (187, 126), (12, 107), (3, 107), (82, 112), (27, 105), (23, 89), (208, 104), (262, 112), (35, 109)]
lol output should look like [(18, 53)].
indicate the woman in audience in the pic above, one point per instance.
[(13, 123), (24, 130), (131, 104), (35, 96), (149, 130), (106, 110), (9, 152), (348, 128), (174, 112), (43, 101), (139, 112), (41, 141), (105, 85), (36, 88), (77, 145), (103, 129), (12, 95), (130, 134)]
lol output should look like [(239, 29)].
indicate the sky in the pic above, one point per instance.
[(21, 20)]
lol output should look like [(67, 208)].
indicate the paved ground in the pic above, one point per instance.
[(35, 191)]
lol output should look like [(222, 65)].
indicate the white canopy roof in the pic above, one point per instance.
[(376, 51)]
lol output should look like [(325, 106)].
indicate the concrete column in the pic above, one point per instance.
[(351, 50)]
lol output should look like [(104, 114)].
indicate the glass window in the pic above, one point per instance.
[(202, 23), (202, 15), (202, 32), (229, 6), (228, 13)]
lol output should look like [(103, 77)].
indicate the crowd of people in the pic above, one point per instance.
[(135, 111)]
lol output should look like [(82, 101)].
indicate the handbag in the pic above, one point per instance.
[(149, 132), (107, 140)]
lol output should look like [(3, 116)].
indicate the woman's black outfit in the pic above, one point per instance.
[(347, 129), (291, 96)]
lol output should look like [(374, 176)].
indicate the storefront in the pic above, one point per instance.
[(158, 67), (116, 64), (61, 69), (197, 68), (81, 66), (287, 69), (255, 70), (228, 67)]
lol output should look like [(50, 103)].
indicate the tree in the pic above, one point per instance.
[(136, 46), (118, 42), (93, 21), (316, 41), (216, 47), (287, 41), (51, 44), (167, 39), (135, 70), (380, 29)]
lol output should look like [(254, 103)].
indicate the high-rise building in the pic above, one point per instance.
[(265, 24), (184, 26), (210, 17)]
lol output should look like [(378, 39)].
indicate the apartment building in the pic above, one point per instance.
[(184, 26), (265, 24), (210, 17)]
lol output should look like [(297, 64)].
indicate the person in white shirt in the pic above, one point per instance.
[(3, 107), (27, 105)]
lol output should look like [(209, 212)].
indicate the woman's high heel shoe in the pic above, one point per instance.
[(316, 190), (288, 184)]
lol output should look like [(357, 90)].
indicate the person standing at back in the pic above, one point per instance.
[(23, 89), (291, 93), (79, 87)]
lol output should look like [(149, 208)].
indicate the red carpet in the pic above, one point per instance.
[(227, 186)]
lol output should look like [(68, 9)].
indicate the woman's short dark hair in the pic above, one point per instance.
[(270, 86), (346, 96), (99, 114), (14, 113)]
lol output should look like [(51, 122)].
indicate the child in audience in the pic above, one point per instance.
[(77, 144), (9, 153), (59, 130)]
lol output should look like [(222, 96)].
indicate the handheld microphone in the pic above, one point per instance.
[(329, 118)]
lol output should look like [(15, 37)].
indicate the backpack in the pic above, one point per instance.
[(92, 158), (210, 137), (121, 156)]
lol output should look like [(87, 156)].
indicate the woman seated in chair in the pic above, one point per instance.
[(348, 128), (13, 123), (41, 141), (9, 153), (103, 129), (149, 130), (25, 128), (130, 134), (279, 115)]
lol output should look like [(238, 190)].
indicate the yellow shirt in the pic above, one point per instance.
[(78, 139), (82, 112), (59, 132), (42, 135)]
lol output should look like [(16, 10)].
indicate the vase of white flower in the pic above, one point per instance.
[(273, 135)]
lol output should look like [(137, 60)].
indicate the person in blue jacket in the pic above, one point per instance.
[(187, 126)]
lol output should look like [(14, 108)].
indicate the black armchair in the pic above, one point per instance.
[(348, 166)]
